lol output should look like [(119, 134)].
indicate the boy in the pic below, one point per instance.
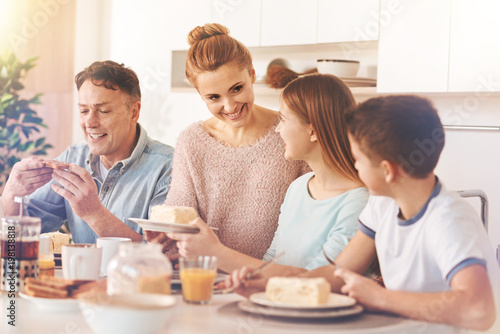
[(435, 257)]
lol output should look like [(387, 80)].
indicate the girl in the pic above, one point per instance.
[(321, 208)]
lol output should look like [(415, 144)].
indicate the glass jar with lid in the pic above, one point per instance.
[(139, 268)]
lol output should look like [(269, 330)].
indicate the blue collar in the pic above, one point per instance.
[(414, 219)]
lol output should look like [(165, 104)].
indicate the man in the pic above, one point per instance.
[(117, 174)]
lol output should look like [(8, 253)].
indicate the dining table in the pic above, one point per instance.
[(221, 316)]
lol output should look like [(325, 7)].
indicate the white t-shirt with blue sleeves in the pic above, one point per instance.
[(306, 225), (423, 253)]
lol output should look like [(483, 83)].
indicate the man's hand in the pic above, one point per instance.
[(160, 238), (78, 187), (26, 176)]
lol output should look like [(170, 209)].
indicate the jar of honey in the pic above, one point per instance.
[(46, 264)]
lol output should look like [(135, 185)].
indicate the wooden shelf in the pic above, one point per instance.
[(301, 59), (261, 89)]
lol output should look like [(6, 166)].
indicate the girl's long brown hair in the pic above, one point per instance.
[(321, 100)]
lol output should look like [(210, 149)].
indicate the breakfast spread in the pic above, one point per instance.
[(55, 287), (298, 291), (173, 214), (54, 164)]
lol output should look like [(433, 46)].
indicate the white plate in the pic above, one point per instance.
[(151, 225), (53, 304), (335, 300), (247, 306)]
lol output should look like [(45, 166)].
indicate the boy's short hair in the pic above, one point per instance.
[(403, 129), (111, 75)]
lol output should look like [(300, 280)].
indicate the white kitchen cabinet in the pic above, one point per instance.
[(289, 22), (241, 17), (414, 46), (348, 21), (475, 46), (185, 16)]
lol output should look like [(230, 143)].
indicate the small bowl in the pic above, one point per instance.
[(339, 67), (133, 313)]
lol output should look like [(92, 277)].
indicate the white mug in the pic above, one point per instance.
[(81, 261), (109, 250), (44, 245)]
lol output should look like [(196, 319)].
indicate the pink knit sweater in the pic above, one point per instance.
[(237, 189)]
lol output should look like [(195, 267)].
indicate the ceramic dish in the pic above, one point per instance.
[(248, 306), (156, 226), (132, 314), (335, 300), (53, 304), (338, 67)]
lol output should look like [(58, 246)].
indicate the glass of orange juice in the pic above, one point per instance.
[(197, 278)]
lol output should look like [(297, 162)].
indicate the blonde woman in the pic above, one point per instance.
[(231, 167)]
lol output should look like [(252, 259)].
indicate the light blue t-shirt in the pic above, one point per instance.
[(306, 225), (129, 190)]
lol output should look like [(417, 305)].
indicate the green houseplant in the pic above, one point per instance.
[(19, 123)]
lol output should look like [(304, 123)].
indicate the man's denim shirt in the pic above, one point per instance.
[(130, 189)]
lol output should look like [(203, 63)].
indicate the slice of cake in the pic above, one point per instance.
[(298, 291), (173, 214), (57, 240)]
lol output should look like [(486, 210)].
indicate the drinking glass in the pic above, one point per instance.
[(197, 278)]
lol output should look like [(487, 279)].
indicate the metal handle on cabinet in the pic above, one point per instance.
[(471, 127)]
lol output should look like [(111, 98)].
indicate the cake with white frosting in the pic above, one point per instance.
[(298, 291), (173, 214)]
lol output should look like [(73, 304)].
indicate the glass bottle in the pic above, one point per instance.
[(19, 240), (139, 268)]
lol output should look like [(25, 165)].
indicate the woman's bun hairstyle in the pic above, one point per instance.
[(210, 48), (208, 30)]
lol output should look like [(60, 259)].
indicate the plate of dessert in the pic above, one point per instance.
[(165, 218), (301, 293), (248, 306), (166, 227)]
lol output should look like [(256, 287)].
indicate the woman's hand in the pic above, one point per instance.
[(203, 243)]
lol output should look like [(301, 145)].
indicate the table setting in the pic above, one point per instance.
[(119, 286), (100, 312)]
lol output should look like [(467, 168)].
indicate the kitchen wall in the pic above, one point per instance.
[(44, 29), (139, 34)]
